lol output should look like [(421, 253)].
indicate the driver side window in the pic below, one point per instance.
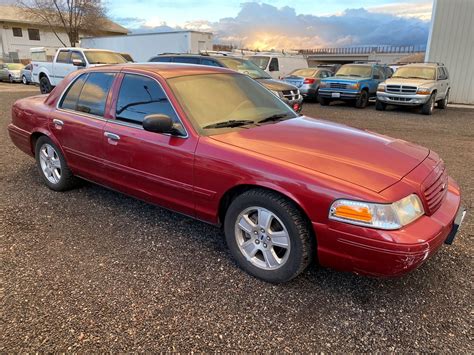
[(139, 97), (274, 66)]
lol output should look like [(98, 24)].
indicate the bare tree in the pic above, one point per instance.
[(70, 16)]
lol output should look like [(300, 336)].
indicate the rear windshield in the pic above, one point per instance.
[(304, 72), (262, 62), (362, 71), (103, 57), (415, 73)]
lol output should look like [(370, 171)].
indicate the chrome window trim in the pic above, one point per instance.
[(115, 121)]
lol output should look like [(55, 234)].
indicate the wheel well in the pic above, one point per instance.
[(42, 75), (231, 194), (33, 139)]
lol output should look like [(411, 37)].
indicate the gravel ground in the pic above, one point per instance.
[(93, 270)]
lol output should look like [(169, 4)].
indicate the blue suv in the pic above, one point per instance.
[(356, 83)]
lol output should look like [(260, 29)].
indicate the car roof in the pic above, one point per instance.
[(166, 70), (432, 65)]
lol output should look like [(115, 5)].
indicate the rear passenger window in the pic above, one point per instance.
[(63, 57), (161, 59), (186, 60), (210, 62), (139, 97), (94, 93), (72, 95)]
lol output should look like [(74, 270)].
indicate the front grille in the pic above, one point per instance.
[(401, 89), (338, 86), (435, 189), (291, 94)]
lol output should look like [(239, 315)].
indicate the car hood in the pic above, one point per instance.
[(14, 72), (413, 82), (276, 85), (370, 160), (343, 79)]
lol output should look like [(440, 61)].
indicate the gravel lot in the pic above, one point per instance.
[(93, 270)]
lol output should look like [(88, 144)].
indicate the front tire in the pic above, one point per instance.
[(24, 80), (380, 106), (52, 166), (324, 101), (45, 85), (442, 104), (428, 107), (362, 100), (268, 236), (10, 79)]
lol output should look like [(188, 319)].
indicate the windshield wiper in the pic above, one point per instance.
[(275, 117), (229, 123)]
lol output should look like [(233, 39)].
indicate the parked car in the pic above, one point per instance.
[(67, 60), (307, 80), (356, 83), (216, 145), (11, 72), (279, 65), (127, 57), (332, 67), (25, 74), (416, 85), (288, 93)]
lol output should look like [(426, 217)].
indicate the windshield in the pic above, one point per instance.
[(15, 66), (99, 57), (304, 72), (245, 67), (362, 71), (261, 62), (208, 99), (415, 73)]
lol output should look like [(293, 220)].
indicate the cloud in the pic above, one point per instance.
[(263, 26)]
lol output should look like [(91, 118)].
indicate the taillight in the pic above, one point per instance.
[(309, 81)]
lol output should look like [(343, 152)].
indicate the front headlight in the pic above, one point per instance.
[(423, 91), (322, 84), (276, 93), (381, 88), (377, 215), (355, 86)]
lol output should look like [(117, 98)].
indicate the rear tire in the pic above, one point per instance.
[(45, 85), (362, 100), (268, 236), (324, 101), (428, 107), (380, 106), (52, 166)]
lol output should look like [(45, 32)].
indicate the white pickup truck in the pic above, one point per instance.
[(67, 60)]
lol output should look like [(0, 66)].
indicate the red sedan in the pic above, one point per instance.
[(216, 145)]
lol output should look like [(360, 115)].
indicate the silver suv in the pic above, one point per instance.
[(422, 84)]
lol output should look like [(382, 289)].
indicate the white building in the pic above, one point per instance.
[(451, 41), (146, 45), (18, 34)]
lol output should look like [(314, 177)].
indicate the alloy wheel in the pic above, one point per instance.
[(262, 238), (50, 163)]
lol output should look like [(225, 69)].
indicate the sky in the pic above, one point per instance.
[(283, 24)]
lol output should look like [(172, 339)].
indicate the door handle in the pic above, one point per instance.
[(112, 136), (58, 123)]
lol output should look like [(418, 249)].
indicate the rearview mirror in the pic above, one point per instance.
[(158, 123), (78, 63)]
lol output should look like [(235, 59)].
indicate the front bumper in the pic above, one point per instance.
[(339, 94), (389, 253), (402, 99)]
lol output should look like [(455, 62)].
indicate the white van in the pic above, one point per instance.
[(279, 65)]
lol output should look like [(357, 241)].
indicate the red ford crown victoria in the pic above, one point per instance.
[(216, 145)]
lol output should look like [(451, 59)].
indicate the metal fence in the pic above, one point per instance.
[(366, 50)]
